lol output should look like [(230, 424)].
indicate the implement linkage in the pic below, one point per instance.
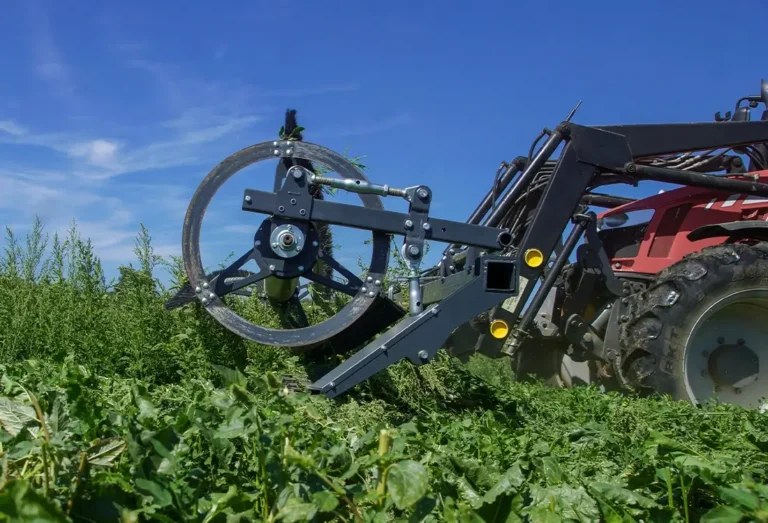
[(499, 254)]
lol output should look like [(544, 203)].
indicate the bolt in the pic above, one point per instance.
[(426, 226), (281, 208), (275, 144), (617, 265), (289, 227), (205, 285), (211, 295), (625, 301), (452, 251), (298, 247), (275, 245), (293, 201), (289, 152), (452, 268), (276, 152), (740, 341), (198, 289), (625, 318), (371, 294), (378, 282), (422, 193), (302, 212), (301, 268), (631, 168), (364, 289), (587, 337), (413, 250), (248, 199), (297, 173), (408, 224), (423, 355), (737, 391), (204, 300), (272, 268), (257, 243), (369, 279), (332, 385), (315, 244)]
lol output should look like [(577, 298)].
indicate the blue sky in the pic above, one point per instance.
[(112, 114)]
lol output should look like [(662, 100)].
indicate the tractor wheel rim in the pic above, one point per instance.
[(726, 354)]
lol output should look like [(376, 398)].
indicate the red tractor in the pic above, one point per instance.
[(666, 294)]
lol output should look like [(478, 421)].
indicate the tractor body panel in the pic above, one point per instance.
[(656, 233)]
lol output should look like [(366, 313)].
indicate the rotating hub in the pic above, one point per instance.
[(282, 247), (287, 241)]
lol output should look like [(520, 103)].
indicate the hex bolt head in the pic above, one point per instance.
[(371, 294), (257, 243), (369, 279), (408, 224), (378, 282), (413, 250), (205, 285), (315, 244), (452, 268), (364, 289), (423, 355), (204, 300), (198, 289), (297, 173), (272, 268), (426, 226), (248, 199), (617, 265), (301, 268), (289, 151), (275, 245), (422, 193), (276, 152)]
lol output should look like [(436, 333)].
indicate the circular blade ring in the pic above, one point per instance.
[(306, 336)]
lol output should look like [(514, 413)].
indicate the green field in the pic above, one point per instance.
[(113, 409)]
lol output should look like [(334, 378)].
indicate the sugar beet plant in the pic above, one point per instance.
[(114, 409)]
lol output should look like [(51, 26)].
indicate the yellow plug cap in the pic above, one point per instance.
[(499, 329), (534, 257)]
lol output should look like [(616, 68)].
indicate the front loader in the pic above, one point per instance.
[(666, 294)]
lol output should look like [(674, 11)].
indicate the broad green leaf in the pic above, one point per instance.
[(20, 502), (620, 495), (325, 501), (407, 483), (106, 452), (722, 514), (544, 515), (230, 376), (740, 497), (294, 511), (509, 482), (15, 416), (161, 496)]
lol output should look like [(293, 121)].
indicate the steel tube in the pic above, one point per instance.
[(697, 179), (525, 179)]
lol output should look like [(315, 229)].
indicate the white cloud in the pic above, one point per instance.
[(97, 152), (12, 128)]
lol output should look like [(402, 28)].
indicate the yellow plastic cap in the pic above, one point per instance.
[(534, 257), (499, 329)]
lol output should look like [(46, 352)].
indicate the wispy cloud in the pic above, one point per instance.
[(49, 63), (374, 128)]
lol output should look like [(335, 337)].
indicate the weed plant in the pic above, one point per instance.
[(114, 409)]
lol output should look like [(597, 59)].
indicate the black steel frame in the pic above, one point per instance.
[(490, 279)]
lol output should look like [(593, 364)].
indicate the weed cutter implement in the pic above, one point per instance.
[(674, 303)]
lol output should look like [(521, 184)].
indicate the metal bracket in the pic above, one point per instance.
[(419, 337)]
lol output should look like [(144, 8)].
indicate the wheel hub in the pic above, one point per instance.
[(735, 366), (287, 241), (725, 349)]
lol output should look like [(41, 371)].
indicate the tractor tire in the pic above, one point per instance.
[(712, 306)]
